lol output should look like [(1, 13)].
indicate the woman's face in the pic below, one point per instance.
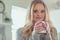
[(38, 12)]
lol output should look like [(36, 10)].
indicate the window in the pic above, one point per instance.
[(18, 15)]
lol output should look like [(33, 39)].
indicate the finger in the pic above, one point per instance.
[(43, 25), (39, 28), (37, 23)]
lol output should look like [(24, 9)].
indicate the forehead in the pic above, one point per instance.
[(38, 6)]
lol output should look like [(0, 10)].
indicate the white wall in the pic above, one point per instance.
[(55, 17), (18, 18)]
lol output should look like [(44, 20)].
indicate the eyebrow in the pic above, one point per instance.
[(36, 9)]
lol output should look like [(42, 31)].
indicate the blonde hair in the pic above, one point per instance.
[(28, 26)]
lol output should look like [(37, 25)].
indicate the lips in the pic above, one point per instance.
[(38, 17)]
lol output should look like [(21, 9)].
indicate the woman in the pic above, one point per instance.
[(37, 12)]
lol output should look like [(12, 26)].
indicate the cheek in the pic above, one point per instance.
[(43, 16), (33, 17)]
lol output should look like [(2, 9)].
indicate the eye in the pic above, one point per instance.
[(35, 11), (42, 11)]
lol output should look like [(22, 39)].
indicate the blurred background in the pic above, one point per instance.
[(13, 14)]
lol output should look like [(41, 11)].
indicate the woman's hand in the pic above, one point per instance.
[(39, 26)]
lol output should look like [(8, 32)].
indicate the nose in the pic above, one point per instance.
[(39, 14)]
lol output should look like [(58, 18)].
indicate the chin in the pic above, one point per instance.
[(37, 20)]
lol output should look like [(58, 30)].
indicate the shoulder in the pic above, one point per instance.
[(19, 30), (19, 34), (55, 34), (54, 29)]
